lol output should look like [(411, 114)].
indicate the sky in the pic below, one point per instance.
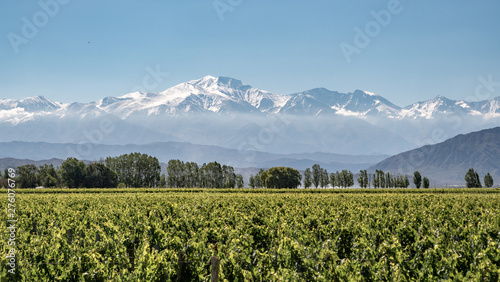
[(406, 51)]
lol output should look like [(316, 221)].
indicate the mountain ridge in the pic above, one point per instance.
[(228, 95), (447, 162), (227, 112)]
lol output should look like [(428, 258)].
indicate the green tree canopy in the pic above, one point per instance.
[(345, 178), (27, 176), (240, 183), (472, 179), (425, 183), (307, 178), (316, 175), (175, 172), (98, 175), (363, 179), (212, 175), (488, 180), (47, 176), (255, 180), (73, 173), (281, 177), (136, 169), (417, 179), (333, 179), (323, 180), (229, 177)]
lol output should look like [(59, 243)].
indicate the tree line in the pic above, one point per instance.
[(137, 170), (472, 179), (320, 178), (211, 175), (128, 170)]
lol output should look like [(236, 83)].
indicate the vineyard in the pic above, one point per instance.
[(285, 236)]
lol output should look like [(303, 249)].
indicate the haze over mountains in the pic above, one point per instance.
[(165, 151), (445, 163), (226, 112)]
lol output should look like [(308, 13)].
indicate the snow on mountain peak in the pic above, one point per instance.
[(439, 105), (209, 77), (38, 104), (219, 94), (33, 100), (212, 82), (369, 93), (133, 95)]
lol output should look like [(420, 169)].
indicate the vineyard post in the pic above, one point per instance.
[(70, 236), (34, 231), (214, 262), (180, 265)]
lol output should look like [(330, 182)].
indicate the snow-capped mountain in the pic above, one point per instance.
[(208, 94), (323, 101), (227, 112), (32, 104), (228, 95), (16, 111), (443, 106)]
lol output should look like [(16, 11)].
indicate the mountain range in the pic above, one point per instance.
[(226, 112), (447, 162), (225, 95)]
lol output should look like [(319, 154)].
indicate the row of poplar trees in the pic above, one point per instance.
[(319, 177), (472, 179), (129, 170), (211, 175)]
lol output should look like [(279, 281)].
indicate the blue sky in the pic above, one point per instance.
[(86, 50)]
